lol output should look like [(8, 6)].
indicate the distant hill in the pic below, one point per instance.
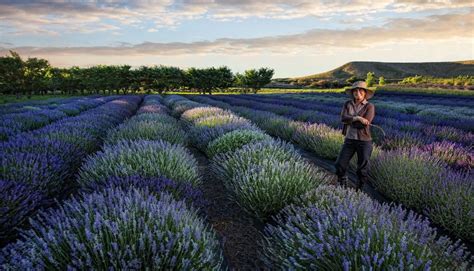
[(392, 71)]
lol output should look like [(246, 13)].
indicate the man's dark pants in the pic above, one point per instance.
[(349, 148)]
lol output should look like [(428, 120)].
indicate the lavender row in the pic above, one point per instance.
[(19, 107), (38, 167), (455, 116), (263, 175), (397, 124), (446, 108), (400, 135), (13, 123), (410, 176), (134, 211), (447, 100), (322, 227)]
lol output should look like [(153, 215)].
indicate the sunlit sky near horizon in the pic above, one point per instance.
[(295, 38)]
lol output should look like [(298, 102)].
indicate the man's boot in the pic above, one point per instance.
[(342, 181), (360, 183)]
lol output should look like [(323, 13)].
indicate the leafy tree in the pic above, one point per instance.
[(11, 74), (382, 81), (370, 79), (255, 79), (209, 79)]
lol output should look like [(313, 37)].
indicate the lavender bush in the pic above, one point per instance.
[(162, 118), (40, 165), (156, 185), (340, 229), (153, 108), (449, 202), (189, 116), (179, 104), (226, 165), (267, 186), (116, 229), (234, 140), (324, 141), (17, 202), (402, 174), (265, 176), (147, 130), (200, 136), (141, 157), (45, 173), (453, 154)]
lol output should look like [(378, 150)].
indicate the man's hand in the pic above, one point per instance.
[(362, 120)]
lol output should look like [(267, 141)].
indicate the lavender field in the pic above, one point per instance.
[(240, 182)]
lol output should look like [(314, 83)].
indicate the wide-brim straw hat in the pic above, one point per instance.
[(363, 85)]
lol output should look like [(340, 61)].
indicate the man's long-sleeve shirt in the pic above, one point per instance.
[(349, 111)]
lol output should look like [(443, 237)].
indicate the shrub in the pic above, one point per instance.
[(162, 118), (45, 173), (265, 176), (226, 165), (156, 185), (153, 109), (201, 136), (453, 154), (117, 229), (71, 134), (189, 116), (324, 141), (24, 121), (340, 229), (219, 120), (402, 174), (264, 188), (403, 140), (29, 143), (234, 140), (273, 124), (141, 157), (449, 202), (17, 202), (147, 130), (179, 107)]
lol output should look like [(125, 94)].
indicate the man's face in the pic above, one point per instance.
[(358, 93)]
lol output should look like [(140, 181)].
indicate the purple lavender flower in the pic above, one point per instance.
[(151, 235), (335, 228)]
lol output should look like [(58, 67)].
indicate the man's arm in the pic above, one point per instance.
[(369, 115), (345, 116)]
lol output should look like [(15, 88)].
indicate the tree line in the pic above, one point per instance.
[(37, 76)]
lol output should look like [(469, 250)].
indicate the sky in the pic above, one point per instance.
[(295, 38)]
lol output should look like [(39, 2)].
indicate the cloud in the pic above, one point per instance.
[(431, 28), (54, 17)]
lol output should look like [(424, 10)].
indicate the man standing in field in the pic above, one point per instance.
[(357, 115)]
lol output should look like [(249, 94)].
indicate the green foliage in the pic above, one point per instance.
[(234, 140), (265, 176), (254, 79), (319, 138), (36, 76), (144, 158), (382, 81), (148, 130), (209, 79), (461, 81), (370, 80), (403, 174)]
